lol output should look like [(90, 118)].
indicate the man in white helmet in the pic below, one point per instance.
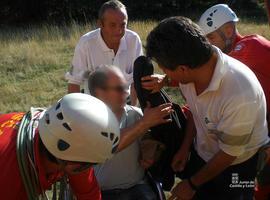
[(122, 177), (41, 146), (219, 26)]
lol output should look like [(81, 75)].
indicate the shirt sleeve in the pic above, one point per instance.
[(139, 50), (78, 66), (85, 186), (235, 128)]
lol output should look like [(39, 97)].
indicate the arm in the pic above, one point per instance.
[(233, 132), (156, 82), (152, 117), (181, 157), (213, 168), (133, 95), (78, 68)]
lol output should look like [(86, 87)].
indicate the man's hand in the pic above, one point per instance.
[(155, 116), (154, 82), (182, 191), (152, 117), (180, 160)]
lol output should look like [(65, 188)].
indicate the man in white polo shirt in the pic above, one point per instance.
[(111, 44), (228, 107)]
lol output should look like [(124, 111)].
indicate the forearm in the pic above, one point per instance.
[(190, 133), (214, 167), (130, 134), (133, 95)]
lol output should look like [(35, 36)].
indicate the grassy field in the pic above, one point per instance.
[(34, 59)]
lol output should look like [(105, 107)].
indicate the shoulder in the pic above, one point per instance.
[(239, 81), (133, 111), (131, 35), (88, 38), (252, 42)]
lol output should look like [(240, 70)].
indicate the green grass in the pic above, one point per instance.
[(34, 59)]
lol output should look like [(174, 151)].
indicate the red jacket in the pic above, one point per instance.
[(84, 185), (254, 51)]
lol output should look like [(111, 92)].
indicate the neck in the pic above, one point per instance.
[(203, 74), (111, 45), (118, 112)]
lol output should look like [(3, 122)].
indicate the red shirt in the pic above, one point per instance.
[(84, 185), (254, 51)]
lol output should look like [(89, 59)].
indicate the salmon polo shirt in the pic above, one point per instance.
[(84, 185)]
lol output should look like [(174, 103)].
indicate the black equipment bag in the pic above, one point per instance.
[(169, 134)]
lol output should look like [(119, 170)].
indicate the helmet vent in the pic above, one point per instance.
[(67, 126), (57, 106), (60, 116), (116, 140), (111, 136), (62, 145), (105, 134), (114, 149), (47, 118)]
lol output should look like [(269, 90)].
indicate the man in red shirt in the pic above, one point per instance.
[(219, 26), (42, 146)]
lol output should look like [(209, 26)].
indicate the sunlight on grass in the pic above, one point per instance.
[(33, 60)]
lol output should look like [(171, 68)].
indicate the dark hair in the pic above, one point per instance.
[(112, 4), (178, 41)]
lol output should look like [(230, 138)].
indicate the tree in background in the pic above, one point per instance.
[(267, 7), (59, 11)]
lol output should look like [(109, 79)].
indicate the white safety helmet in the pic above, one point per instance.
[(214, 17), (80, 127)]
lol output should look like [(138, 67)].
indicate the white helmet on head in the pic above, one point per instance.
[(214, 17), (79, 127)]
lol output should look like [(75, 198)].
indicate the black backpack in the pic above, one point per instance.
[(169, 134)]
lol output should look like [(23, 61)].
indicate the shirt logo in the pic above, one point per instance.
[(206, 120), (238, 47)]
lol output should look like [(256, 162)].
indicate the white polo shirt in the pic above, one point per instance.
[(230, 115), (92, 52)]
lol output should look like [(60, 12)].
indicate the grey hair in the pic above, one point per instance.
[(99, 77), (112, 4)]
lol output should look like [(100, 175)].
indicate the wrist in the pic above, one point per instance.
[(143, 125)]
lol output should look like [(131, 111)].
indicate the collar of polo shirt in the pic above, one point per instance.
[(219, 72), (122, 47)]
